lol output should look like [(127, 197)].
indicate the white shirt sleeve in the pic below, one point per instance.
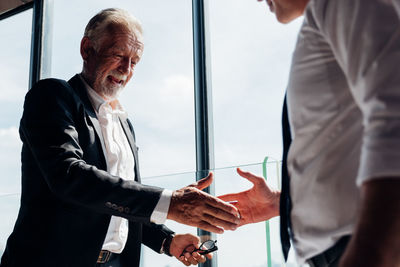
[(160, 212), (365, 38)]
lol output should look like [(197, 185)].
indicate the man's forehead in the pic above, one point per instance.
[(121, 38), (114, 28), (117, 27)]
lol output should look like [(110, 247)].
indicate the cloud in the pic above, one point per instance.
[(9, 138), (162, 106), (10, 166), (14, 54), (163, 117), (160, 157), (13, 84)]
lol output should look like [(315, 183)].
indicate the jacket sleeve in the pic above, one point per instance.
[(48, 130), (154, 235)]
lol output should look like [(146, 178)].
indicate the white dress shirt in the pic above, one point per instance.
[(344, 113), (121, 163)]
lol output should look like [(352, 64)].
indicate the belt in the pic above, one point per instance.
[(105, 256), (329, 256)]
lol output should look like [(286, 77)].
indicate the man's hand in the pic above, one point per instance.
[(260, 203), (178, 245), (376, 238), (193, 207)]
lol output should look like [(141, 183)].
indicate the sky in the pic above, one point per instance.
[(250, 58)]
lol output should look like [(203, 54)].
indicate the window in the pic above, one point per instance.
[(250, 60), (14, 80), (250, 55)]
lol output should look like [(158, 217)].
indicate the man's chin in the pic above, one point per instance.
[(111, 93)]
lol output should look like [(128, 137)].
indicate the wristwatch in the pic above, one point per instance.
[(166, 245)]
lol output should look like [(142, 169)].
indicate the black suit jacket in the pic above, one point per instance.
[(67, 196)]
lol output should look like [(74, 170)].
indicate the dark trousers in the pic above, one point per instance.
[(330, 257)]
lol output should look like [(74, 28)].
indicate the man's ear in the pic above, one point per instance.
[(86, 48)]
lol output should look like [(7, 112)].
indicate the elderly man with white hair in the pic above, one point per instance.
[(82, 203)]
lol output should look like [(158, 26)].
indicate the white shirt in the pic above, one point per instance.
[(344, 113), (121, 163)]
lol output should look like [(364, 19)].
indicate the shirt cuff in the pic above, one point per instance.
[(160, 212)]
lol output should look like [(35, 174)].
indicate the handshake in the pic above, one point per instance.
[(191, 206)]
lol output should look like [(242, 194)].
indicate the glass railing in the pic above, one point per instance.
[(9, 206), (253, 245)]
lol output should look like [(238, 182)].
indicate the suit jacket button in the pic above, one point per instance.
[(127, 210), (120, 209), (114, 206), (108, 204)]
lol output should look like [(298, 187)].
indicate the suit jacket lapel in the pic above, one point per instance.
[(96, 125), (132, 144), (80, 88)]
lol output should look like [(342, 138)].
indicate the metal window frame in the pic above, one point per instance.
[(203, 104), (40, 57), (41, 43)]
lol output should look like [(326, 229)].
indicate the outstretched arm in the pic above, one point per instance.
[(260, 203)]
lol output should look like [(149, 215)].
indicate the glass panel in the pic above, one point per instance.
[(172, 182), (227, 181), (9, 205), (14, 80), (251, 55), (159, 98), (254, 253)]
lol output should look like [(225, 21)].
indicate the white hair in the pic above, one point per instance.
[(103, 21)]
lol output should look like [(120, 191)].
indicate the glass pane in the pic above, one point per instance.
[(14, 80), (250, 54), (254, 235), (174, 181), (9, 206), (159, 98), (254, 252)]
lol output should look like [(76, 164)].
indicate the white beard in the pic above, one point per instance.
[(108, 90), (111, 92)]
